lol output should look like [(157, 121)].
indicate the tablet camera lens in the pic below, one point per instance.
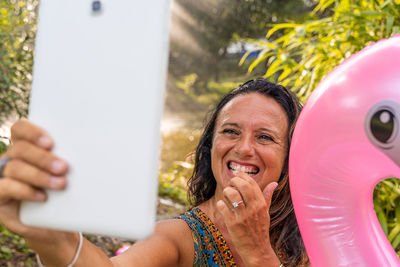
[(96, 6)]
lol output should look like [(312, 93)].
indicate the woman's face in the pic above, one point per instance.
[(250, 135)]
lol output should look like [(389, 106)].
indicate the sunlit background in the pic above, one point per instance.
[(214, 46)]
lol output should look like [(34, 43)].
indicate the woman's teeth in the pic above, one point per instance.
[(235, 168)]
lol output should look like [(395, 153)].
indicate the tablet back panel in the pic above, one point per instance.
[(98, 90)]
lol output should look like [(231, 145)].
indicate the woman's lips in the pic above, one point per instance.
[(250, 169)]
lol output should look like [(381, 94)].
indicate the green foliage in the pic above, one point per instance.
[(213, 25), (178, 145), (202, 32), (387, 207), (17, 32), (173, 183), (176, 163), (11, 244), (300, 55), (3, 147), (210, 92)]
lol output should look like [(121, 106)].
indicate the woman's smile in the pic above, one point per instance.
[(235, 167)]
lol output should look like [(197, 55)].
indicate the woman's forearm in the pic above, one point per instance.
[(59, 248)]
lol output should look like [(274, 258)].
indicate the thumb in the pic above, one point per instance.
[(268, 192)]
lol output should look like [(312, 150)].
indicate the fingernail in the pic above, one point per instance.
[(44, 141), (56, 182), (57, 165), (40, 195)]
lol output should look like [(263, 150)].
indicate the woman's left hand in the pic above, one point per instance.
[(248, 223)]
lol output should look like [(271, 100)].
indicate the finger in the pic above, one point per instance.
[(225, 211), (38, 157), (10, 188), (25, 130), (268, 192), (24, 172), (248, 188), (231, 195)]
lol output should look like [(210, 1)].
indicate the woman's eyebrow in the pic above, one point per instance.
[(230, 124), (269, 131)]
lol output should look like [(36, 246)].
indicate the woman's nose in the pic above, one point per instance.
[(244, 147)]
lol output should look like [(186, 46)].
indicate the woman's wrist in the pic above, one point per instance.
[(78, 250), (56, 248)]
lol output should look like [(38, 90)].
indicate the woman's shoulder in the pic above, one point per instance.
[(172, 226)]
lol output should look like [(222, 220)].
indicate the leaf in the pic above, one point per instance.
[(285, 73), (3, 147), (273, 68), (322, 5), (371, 14), (243, 59), (392, 186), (281, 26), (262, 56), (396, 242), (261, 43), (394, 232), (382, 218), (385, 4), (389, 25)]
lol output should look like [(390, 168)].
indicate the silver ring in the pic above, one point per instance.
[(3, 163), (236, 204)]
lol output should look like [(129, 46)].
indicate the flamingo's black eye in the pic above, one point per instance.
[(382, 125)]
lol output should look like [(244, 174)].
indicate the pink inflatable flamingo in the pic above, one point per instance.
[(347, 139)]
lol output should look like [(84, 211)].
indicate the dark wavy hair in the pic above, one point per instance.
[(284, 231)]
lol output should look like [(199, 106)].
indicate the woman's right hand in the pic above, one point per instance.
[(31, 170)]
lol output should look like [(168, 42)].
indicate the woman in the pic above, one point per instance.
[(241, 164)]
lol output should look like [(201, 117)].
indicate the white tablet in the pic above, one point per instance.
[(98, 89)]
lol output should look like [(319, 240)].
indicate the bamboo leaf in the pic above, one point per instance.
[(322, 5), (389, 25), (273, 68), (396, 242), (281, 26), (392, 186), (382, 218), (243, 59), (262, 56), (263, 44), (371, 14), (285, 73), (385, 4), (394, 232)]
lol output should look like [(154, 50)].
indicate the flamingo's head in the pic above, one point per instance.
[(356, 107), (347, 139)]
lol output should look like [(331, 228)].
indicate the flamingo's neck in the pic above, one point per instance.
[(334, 208)]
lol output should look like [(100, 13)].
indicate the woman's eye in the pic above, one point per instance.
[(230, 132), (265, 137)]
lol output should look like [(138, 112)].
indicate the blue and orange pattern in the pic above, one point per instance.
[(210, 247)]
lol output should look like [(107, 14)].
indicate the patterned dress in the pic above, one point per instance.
[(210, 247)]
